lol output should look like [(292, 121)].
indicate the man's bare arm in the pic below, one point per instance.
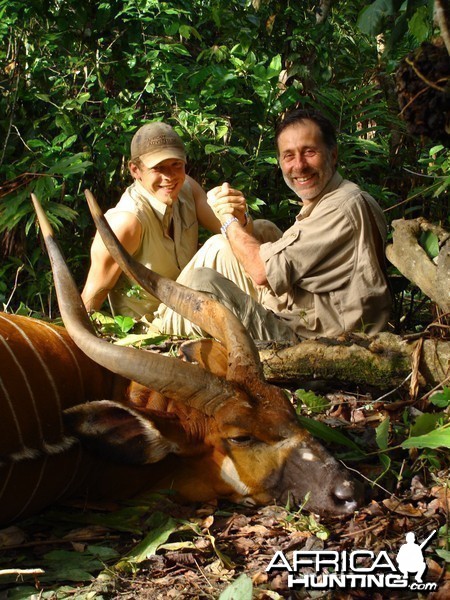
[(104, 271), (246, 249)]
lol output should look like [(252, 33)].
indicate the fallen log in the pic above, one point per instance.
[(382, 361)]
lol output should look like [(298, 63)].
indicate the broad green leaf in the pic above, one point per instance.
[(441, 399), (124, 323), (382, 433), (101, 318), (44, 97), (419, 24), (440, 438), (371, 18), (70, 165), (238, 151), (141, 339), (430, 243), (445, 554), (213, 149), (69, 141), (76, 566), (274, 68), (435, 149), (425, 423), (186, 31), (161, 527), (328, 434), (240, 589)]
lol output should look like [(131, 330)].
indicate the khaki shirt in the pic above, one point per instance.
[(157, 250), (324, 274)]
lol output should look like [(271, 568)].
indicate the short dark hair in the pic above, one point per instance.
[(297, 115)]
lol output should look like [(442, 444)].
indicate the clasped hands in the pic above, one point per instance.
[(227, 202)]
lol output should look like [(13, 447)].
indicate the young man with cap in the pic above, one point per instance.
[(156, 220)]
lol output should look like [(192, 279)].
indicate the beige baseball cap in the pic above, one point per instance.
[(155, 142)]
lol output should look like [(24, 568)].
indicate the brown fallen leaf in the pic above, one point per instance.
[(402, 509)]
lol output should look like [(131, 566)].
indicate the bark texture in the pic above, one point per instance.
[(405, 252), (382, 361)]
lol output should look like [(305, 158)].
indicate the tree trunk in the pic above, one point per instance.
[(442, 19), (382, 361)]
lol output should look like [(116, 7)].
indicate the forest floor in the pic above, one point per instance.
[(153, 548)]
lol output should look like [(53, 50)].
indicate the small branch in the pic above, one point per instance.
[(395, 389), (16, 280), (422, 91), (423, 78), (436, 388), (21, 572)]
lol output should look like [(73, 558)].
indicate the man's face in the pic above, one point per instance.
[(164, 181), (306, 162)]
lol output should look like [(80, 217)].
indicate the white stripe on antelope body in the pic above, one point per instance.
[(83, 416)]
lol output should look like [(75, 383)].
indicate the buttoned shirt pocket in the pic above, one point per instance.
[(278, 268)]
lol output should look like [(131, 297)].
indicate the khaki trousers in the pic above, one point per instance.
[(216, 271)]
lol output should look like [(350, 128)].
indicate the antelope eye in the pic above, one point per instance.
[(241, 440)]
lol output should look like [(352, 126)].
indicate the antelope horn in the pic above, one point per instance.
[(243, 358), (171, 377)]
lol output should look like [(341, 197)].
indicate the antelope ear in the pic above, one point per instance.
[(117, 432), (209, 354)]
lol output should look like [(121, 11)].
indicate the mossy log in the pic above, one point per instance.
[(382, 361)]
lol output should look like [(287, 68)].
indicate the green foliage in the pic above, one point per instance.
[(436, 438), (430, 243), (298, 520), (161, 526), (435, 164), (67, 565), (77, 81), (330, 435), (240, 589), (314, 402), (441, 399), (125, 330), (397, 19)]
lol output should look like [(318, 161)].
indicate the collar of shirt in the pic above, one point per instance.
[(331, 186), (163, 211)]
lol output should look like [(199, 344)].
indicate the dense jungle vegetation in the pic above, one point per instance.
[(79, 78)]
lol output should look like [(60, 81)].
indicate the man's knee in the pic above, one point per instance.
[(266, 231), (203, 279), (215, 243)]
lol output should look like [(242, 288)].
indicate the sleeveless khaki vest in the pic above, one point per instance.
[(158, 250)]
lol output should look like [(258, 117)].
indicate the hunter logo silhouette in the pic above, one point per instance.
[(410, 558)]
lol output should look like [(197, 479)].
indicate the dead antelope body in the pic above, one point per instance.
[(83, 417)]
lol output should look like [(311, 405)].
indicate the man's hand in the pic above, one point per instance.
[(227, 202)]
